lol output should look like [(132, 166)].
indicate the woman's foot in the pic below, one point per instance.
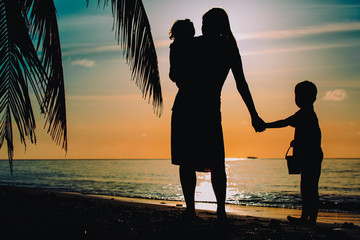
[(312, 223), (221, 216), (295, 220), (189, 215)]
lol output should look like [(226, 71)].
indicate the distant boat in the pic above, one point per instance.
[(252, 157)]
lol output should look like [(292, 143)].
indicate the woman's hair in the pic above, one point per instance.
[(182, 29), (215, 22)]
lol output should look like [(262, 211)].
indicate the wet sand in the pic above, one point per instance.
[(263, 212), (47, 214)]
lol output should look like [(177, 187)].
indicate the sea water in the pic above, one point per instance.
[(257, 182)]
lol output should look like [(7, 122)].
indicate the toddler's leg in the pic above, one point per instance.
[(315, 196), (310, 194)]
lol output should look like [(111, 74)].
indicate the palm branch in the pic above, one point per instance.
[(133, 33), (19, 67), (44, 28)]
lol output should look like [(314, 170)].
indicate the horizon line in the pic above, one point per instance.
[(226, 159)]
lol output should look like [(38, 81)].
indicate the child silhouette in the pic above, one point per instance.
[(307, 148), (181, 32)]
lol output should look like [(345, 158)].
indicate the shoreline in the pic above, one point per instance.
[(277, 213), (168, 159), (238, 210), (51, 214)]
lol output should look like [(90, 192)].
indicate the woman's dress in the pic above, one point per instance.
[(199, 69)]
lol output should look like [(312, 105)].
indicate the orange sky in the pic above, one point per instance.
[(285, 43)]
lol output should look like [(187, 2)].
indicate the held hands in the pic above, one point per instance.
[(258, 124)]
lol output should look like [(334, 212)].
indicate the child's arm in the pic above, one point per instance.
[(278, 124)]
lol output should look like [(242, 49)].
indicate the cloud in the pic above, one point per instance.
[(120, 98), (293, 33), (86, 49), (162, 43), (301, 48), (336, 95), (84, 62), (76, 22)]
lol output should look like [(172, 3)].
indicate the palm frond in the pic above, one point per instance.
[(44, 27), (19, 67), (133, 33)]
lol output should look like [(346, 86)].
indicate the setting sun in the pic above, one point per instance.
[(281, 44)]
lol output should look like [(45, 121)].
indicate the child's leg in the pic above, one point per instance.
[(309, 192), (305, 195), (315, 194)]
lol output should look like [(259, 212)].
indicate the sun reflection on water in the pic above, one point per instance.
[(204, 191)]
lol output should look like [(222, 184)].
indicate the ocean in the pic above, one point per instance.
[(253, 182)]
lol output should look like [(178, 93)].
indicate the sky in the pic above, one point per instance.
[(282, 42)]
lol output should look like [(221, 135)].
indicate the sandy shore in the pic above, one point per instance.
[(45, 214), (252, 211)]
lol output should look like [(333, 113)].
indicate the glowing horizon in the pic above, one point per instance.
[(281, 44)]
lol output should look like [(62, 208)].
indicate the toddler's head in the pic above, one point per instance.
[(305, 94), (182, 29)]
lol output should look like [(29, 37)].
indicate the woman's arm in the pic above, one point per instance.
[(244, 91)]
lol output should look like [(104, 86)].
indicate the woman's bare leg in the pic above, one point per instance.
[(218, 180), (188, 184)]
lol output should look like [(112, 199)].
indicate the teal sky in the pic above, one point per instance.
[(282, 42)]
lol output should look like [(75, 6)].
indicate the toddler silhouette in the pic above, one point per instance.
[(182, 33), (307, 148)]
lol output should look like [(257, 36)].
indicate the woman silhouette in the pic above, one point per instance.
[(199, 69)]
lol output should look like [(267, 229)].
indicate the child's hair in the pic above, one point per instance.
[(306, 92), (182, 29)]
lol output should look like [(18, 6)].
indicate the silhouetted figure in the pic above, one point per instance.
[(182, 33), (307, 148), (200, 70)]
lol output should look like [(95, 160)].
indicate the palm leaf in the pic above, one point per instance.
[(19, 67), (133, 33), (44, 27)]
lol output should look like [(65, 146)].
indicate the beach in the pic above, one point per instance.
[(28, 213), (250, 182)]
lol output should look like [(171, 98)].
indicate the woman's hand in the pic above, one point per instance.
[(258, 124)]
